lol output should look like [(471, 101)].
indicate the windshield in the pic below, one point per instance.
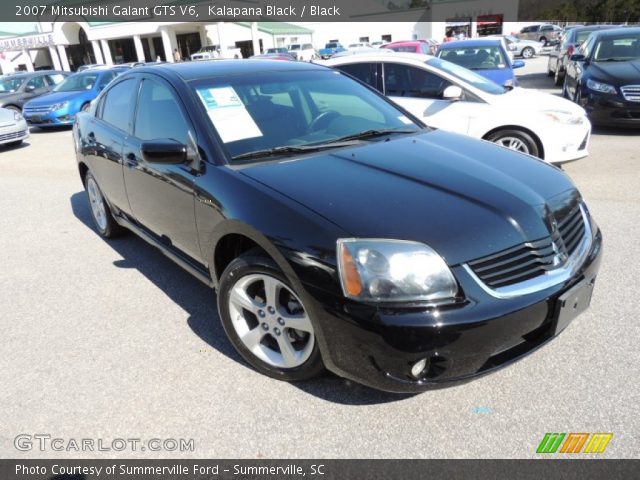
[(582, 35), (294, 47), (77, 82), (331, 45), (301, 109), (476, 58), (618, 49), (11, 84), (467, 76)]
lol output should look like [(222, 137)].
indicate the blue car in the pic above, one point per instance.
[(485, 56), (69, 97)]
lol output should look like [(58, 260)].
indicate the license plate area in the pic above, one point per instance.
[(572, 303)]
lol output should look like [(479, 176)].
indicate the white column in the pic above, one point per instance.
[(139, 50), (152, 50), (63, 58), (97, 52), (106, 52), (221, 40), (27, 60), (167, 43), (254, 38), (55, 59)]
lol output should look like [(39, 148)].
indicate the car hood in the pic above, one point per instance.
[(617, 73), (498, 75), (56, 97), (464, 197), (528, 99)]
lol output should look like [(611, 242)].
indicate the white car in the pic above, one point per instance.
[(450, 97), (210, 52), (13, 127), (304, 51)]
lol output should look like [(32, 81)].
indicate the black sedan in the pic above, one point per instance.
[(604, 77), (337, 229)]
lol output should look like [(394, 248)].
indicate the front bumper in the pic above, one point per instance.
[(378, 346), (605, 110), (15, 132), (567, 143), (50, 119)]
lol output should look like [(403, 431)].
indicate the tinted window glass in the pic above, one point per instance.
[(37, 82), (77, 82), (365, 72), (618, 49), (106, 78), (476, 58), (467, 76), (116, 107), (55, 78), (405, 81), (157, 102)]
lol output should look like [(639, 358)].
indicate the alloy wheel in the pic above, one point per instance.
[(96, 201), (271, 321), (513, 143), (527, 52)]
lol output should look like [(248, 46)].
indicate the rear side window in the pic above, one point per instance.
[(159, 116), (365, 72), (117, 105)]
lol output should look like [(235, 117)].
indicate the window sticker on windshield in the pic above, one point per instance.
[(405, 120), (228, 114)]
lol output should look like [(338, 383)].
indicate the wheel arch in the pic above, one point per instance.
[(520, 128), (82, 170)]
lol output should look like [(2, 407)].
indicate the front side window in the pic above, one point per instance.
[(406, 81), (488, 57), (77, 82), (365, 72), (250, 114), (116, 107), (36, 82), (158, 102), (11, 84), (467, 76)]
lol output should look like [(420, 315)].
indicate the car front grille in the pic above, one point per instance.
[(40, 109), (13, 135), (532, 259), (631, 93)]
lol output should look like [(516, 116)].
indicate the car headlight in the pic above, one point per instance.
[(601, 87), (380, 270), (17, 116), (564, 117), (59, 106)]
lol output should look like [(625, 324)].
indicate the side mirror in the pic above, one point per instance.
[(577, 57), (29, 88), (164, 151), (453, 93), (518, 64)]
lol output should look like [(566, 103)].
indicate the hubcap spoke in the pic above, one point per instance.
[(240, 298), (289, 355), (271, 291), (299, 322), (252, 338)]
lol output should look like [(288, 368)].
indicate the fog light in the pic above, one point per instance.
[(419, 367)]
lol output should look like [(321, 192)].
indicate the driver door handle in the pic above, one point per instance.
[(130, 160)]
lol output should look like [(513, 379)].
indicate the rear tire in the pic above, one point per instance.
[(101, 214), (528, 52), (258, 309), (515, 140)]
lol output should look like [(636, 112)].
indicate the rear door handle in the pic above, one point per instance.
[(130, 160)]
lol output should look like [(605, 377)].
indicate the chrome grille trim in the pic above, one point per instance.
[(520, 279), (631, 93)]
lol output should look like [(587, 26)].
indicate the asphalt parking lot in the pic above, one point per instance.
[(108, 340)]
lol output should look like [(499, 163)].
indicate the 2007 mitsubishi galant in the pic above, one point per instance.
[(338, 230)]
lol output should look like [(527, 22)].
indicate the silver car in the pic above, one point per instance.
[(13, 127), (519, 47), (545, 33)]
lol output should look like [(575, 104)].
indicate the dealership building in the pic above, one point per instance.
[(66, 45)]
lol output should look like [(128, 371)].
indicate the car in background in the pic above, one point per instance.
[(412, 46), (303, 51), (544, 33), (330, 49), (273, 56), (359, 45), (338, 231), (18, 88), (447, 96), (603, 76), (559, 55), (209, 52), (282, 51), (13, 127), (88, 66), (519, 47), (70, 97), (485, 56), (377, 43)]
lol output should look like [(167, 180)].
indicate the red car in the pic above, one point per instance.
[(428, 47)]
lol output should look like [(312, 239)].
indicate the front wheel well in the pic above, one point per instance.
[(230, 247), (521, 129), (83, 169)]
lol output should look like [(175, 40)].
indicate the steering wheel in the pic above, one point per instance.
[(322, 120)]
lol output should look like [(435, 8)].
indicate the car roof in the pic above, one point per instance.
[(616, 31), (381, 57), (479, 42), (188, 71)]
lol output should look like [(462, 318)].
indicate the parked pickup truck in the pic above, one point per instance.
[(331, 48)]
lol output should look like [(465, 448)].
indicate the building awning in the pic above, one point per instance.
[(278, 28)]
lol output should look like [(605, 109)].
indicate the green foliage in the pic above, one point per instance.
[(595, 11)]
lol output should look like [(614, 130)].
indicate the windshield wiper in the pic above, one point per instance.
[(284, 149), (369, 134)]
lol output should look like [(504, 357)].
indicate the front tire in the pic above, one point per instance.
[(515, 140), (557, 77), (101, 214), (266, 321), (528, 52)]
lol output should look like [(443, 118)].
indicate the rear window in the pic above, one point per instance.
[(475, 58)]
